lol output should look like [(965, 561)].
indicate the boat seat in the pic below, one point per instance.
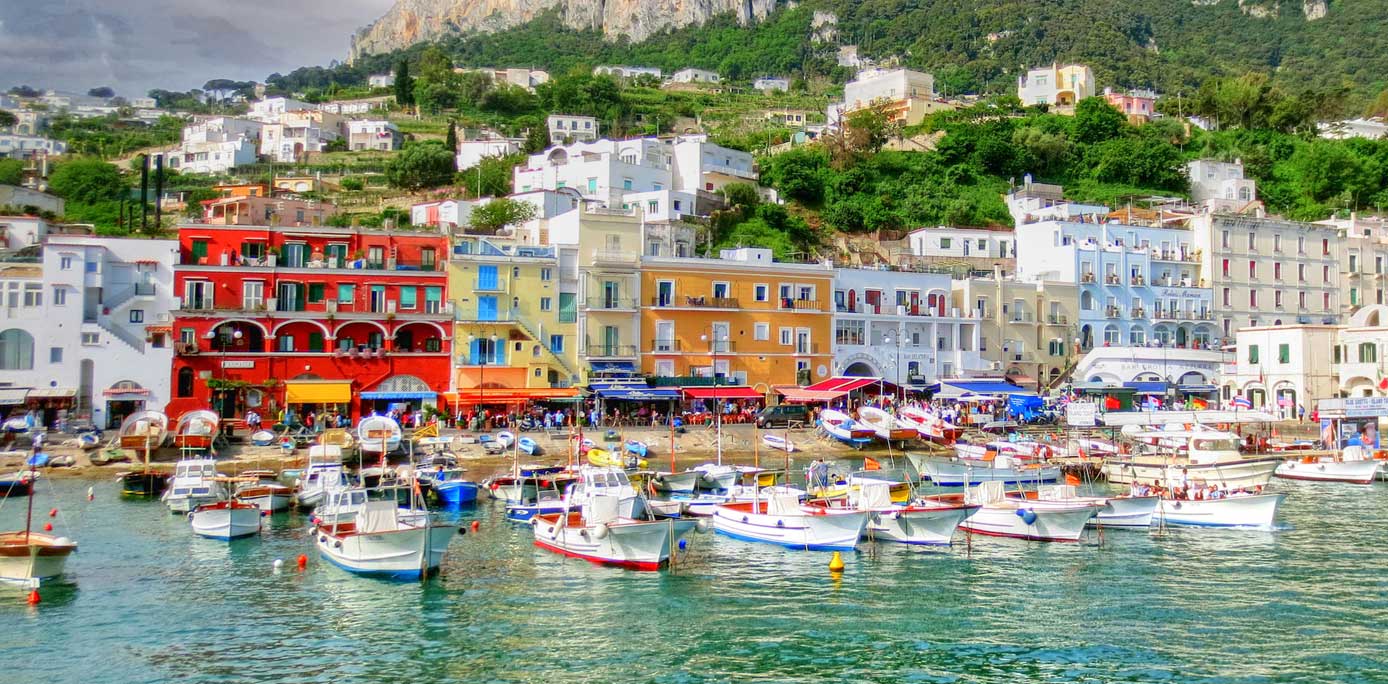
[(986, 492), (783, 504)]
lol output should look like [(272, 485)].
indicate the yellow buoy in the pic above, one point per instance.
[(836, 563)]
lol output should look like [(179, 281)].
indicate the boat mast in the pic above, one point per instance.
[(29, 513)]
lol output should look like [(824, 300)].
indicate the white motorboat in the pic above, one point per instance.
[(317, 481), (778, 442), (225, 520), (956, 471), (716, 478), (924, 520), (28, 557), (1180, 458), (599, 534), (1002, 515), (838, 425), (1232, 510), (383, 540), (262, 489), (1355, 465), (1129, 512), (378, 435), (678, 483), (885, 425), (781, 519), (195, 483), (926, 424), (608, 481)]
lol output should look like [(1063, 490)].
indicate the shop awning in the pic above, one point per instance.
[(54, 393), (1147, 386), (842, 385), (508, 395), (317, 392), (386, 396), (959, 388), (635, 392), (800, 395), (722, 393), (9, 396)]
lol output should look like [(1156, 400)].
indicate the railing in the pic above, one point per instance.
[(807, 348), (1111, 279), (614, 256), (1057, 319), (1139, 280), (1139, 312), (612, 303), (600, 350), (186, 348), (800, 305), (491, 285), (1021, 317), (1111, 312), (697, 302), (1087, 278), (665, 346), (730, 171)]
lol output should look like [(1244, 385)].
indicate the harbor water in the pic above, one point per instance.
[(146, 601)]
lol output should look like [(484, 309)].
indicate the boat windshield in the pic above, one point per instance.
[(1221, 444)]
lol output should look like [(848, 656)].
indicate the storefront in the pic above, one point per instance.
[(303, 396), (403, 393), (122, 399)]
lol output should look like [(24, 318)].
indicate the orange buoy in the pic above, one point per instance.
[(303, 561), (48, 527), (476, 526), (34, 598), (53, 513)]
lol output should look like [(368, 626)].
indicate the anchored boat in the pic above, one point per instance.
[(195, 483), (884, 425), (1003, 515), (1354, 465), (1177, 458), (225, 520), (781, 519)]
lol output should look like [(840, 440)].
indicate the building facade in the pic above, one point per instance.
[(767, 84), (1221, 186), (1138, 105), (1027, 330), (379, 135), (692, 75), (1282, 368), (1060, 87), (902, 326), (288, 137), (908, 95), (312, 318), (570, 128)]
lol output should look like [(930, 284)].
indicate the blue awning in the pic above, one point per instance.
[(1197, 389), (982, 387), (399, 395), (613, 366), (1147, 386), (638, 393)]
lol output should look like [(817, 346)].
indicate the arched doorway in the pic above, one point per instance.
[(860, 369), (122, 399), (398, 393)]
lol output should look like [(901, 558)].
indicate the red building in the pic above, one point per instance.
[(311, 318)]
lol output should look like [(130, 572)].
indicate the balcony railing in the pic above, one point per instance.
[(665, 346), (1139, 280), (1139, 312), (615, 256), (1021, 317), (1112, 312), (609, 350), (1087, 278), (800, 305), (1058, 319), (1112, 279), (612, 303), (489, 285), (807, 348), (697, 302)]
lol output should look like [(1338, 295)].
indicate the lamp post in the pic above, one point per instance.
[(487, 343), (900, 340)]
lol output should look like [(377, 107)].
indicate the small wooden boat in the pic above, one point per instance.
[(1355, 465), (143, 432), (636, 447), (527, 446), (778, 442), (783, 520), (838, 425), (451, 488), (262, 438), (262, 489), (884, 425), (1001, 515), (923, 520), (378, 435), (28, 557), (382, 540), (195, 483), (88, 440), (113, 455), (225, 520), (147, 482), (926, 424), (196, 429)]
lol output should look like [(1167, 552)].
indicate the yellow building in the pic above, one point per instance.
[(1027, 330), (752, 320), (608, 288), (515, 328)]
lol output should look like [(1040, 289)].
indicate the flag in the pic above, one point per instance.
[(1071, 480), (870, 463), (1199, 404), (1241, 403)]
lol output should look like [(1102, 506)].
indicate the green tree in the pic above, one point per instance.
[(798, 174), (508, 100), (536, 138), (194, 200), (404, 84), (499, 213), (103, 92), (11, 171), (490, 177), (743, 195), (87, 181), (450, 141), (1096, 121), (425, 165), (7, 118)]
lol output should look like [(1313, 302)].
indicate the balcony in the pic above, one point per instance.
[(1112, 279), (699, 302), (1139, 312), (489, 284), (614, 257), (730, 171), (609, 350), (611, 304), (186, 348), (1021, 317), (665, 346), (1087, 278), (808, 305), (807, 349), (1138, 280), (1112, 312), (1058, 319)]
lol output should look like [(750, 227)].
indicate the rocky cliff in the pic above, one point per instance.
[(412, 21)]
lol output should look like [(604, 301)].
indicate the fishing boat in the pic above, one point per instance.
[(1235, 509), (195, 483), (144, 431), (262, 489), (927, 425), (451, 488), (677, 483), (527, 446), (196, 429), (382, 540), (781, 519), (716, 478), (225, 520), (28, 557), (524, 482), (19, 484), (339, 505), (956, 471), (1354, 465), (549, 499), (320, 478), (885, 425), (262, 438), (838, 425), (1127, 511), (1177, 458), (597, 530), (506, 439), (378, 435), (1002, 515), (778, 442), (923, 520), (636, 448)]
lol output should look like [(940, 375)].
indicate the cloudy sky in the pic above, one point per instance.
[(136, 45)]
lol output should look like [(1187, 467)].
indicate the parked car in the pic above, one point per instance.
[(783, 415)]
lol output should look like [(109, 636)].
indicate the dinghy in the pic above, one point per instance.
[(924, 520), (225, 520), (603, 458), (319, 479), (677, 483), (505, 439), (143, 432), (926, 424), (636, 447), (884, 425), (196, 429), (378, 435), (1238, 509), (716, 478), (28, 557), (778, 442), (1128, 512), (383, 540), (528, 446), (599, 531), (838, 425), (262, 489)]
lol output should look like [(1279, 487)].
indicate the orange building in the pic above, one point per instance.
[(752, 320)]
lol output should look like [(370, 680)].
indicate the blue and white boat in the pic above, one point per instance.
[(840, 426), (384, 541), (452, 489), (637, 447), (528, 446), (550, 500)]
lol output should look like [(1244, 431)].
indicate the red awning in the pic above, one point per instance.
[(842, 385), (800, 395), (721, 393), (508, 395)]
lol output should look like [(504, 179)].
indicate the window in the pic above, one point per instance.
[(761, 292), (1325, 247), (1253, 353), (945, 243), (16, 350), (1252, 242), (1253, 298), (849, 332), (316, 292), (1284, 353), (1277, 271), (59, 295), (1354, 263), (1354, 296), (1225, 265), (409, 297), (315, 342), (1228, 300), (720, 290), (1277, 299), (1301, 272), (1300, 245), (556, 344), (91, 338), (1301, 300), (65, 263), (346, 294), (546, 303), (1325, 301), (546, 274), (1325, 274), (592, 185), (284, 343), (761, 331), (1277, 243), (1224, 239), (428, 260), (55, 354), (1338, 354), (786, 336), (1368, 352), (1252, 270), (375, 257), (137, 315)]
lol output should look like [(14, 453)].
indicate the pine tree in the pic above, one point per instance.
[(404, 85), (451, 142)]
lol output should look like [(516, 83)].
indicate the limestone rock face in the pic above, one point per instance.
[(412, 21)]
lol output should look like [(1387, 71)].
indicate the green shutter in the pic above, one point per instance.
[(346, 294), (315, 292), (199, 250), (315, 342), (407, 297)]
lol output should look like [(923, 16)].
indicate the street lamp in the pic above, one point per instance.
[(900, 340), (482, 371)]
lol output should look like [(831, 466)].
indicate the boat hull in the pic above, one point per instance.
[(1052, 522), (269, 499), (634, 545), (916, 525), (1244, 473), (1134, 512), (1350, 472), (16, 488), (524, 512), (955, 472), (225, 523), (825, 531), (678, 483), (456, 492), (1253, 511), (717, 480), (32, 560), (186, 503), (404, 554), (144, 484)]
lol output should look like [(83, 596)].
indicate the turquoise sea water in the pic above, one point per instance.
[(148, 602)]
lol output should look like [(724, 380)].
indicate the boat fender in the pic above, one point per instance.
[(323, 540), (534, 521), (600, 531), (462, 531), (780, 523), (701, 525), (744, 518), (337, 544), (684, 544), (1027, 515)]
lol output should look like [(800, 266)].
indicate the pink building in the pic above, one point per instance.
[(1136, 104)]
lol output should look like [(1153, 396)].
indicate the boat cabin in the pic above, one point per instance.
[(1198, 446)]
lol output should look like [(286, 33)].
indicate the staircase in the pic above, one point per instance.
[(1065, 373), (135, 342), (538, 338)]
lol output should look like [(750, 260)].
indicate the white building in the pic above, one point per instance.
[(18, 232), (472, 152), (1266, 271), (566, 128), (1025, 328), (1221, 186), (289, 136), (456, 213), (901, 325), (380, 80), (215, 145), (272, 108), (1031, 202), (1059, 86), (768, 84), (979, 243), (18, 196), (87, 330), (1280, 368), (350, 107), (692, 75), (625, 72), (1373, 129), (373, 134), (909, 95), (25, 146), (1364, 266)]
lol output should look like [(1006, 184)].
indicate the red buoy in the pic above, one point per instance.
[(476, 525), (48, 527), (303, 561), (53, 513), (34, 597)]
